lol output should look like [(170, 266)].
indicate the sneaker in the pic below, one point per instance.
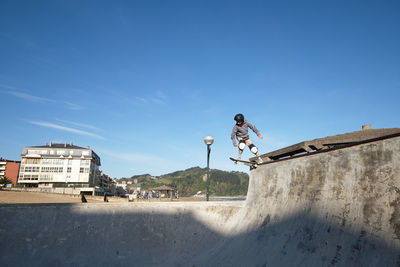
[(237, 159), (259, 160)]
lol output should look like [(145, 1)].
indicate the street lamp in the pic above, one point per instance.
[(208, 140)]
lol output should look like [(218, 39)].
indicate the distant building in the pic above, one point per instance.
[(105, 184), (9, 169), (58, 165), (123, 185), (120, 188)]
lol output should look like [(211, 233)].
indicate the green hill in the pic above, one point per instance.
[(189, 182)]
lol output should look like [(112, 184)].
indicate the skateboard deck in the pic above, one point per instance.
[(248, 163)]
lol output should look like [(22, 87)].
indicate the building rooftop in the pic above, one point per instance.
[(7, 160), (60, 145), (39, 153)]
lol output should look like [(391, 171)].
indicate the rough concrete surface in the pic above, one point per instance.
[(339, 208)]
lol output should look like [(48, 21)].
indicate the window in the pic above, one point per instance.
[(60, 152), (85, 162), (84, 170), (69, 169), (52, 169), (29, 177), (30, 161), (70, 162), (31, 169), (46, 177), (53, 161)]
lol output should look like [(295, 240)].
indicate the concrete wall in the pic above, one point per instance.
[(339, 208), (335, 208), (141, 234), (55, 190)]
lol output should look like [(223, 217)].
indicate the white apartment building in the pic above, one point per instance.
[(58, 165)]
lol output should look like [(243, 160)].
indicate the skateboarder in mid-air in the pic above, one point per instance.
[(241, 132)]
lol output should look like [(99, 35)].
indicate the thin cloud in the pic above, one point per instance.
[(8, 87), (143, 100), (32, 98), (28, 97), (84, 125), (158, 98), (161, 95), (66, 129), (73, 106)]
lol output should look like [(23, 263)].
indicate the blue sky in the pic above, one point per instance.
[(143, 82)]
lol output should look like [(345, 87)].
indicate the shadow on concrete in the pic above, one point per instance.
[(111, 235), (302, 240)]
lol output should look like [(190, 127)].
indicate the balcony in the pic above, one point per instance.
[(2, 168)]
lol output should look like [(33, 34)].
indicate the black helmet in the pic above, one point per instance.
[(239, 117)]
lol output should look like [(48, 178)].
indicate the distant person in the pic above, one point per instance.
[(241, 133), (105, 198), (83, 198)]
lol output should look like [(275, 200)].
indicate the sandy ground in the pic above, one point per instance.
[(16, 197), (13, 197)]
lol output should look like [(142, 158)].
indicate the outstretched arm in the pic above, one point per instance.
[(251, 126)]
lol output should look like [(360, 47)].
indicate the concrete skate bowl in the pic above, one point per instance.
[(337, 208)]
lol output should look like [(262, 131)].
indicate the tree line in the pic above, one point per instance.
[(189, 182)]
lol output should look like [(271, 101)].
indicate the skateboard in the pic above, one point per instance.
[(252, 164)]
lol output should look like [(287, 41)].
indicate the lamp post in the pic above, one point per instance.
[(208, 140)]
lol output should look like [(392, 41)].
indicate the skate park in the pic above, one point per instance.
[(331, 201)]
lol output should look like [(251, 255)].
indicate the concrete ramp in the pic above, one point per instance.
[(336, 208)]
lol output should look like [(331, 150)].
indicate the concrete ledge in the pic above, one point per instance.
[(329, 142)]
